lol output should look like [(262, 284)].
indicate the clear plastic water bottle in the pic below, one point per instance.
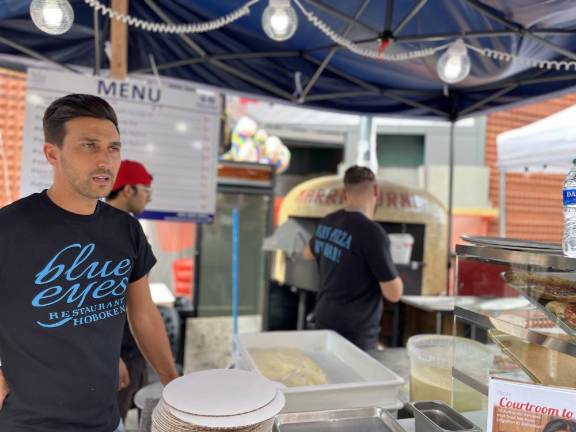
[(569, 206)]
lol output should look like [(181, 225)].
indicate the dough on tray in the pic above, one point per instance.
[(290, 366)]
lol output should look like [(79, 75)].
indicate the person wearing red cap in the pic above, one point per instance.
[(131, 193), (132, 189)]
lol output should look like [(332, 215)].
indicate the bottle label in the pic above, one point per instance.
[(569, 197)]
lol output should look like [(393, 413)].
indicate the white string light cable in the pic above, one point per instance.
[(362, 51), (537, 63), (157, 27), (376, 54)]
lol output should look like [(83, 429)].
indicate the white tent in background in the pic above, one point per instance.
[(545, 146)]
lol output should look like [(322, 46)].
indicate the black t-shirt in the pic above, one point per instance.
[(353, 256), (63, 278)]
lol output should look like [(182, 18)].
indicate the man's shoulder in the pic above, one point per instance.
[(119, 218), (26, 205), (111, 212)]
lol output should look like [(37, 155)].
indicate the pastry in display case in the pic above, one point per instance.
[(526, 315)]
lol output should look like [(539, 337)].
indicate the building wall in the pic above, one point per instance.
[(12, 100), (470, 174), (533, 201)]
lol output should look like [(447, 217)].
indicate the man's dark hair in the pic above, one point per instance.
[(112, 195), (70, 107), (357, 175)]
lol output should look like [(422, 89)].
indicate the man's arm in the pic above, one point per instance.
[(392, 290), (376, 248), (148, 329), (123, 375), (308, 255), (4, 389)]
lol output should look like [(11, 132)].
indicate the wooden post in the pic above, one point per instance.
[(119, 42)]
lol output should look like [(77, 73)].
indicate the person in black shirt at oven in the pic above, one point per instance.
[(354, 262)]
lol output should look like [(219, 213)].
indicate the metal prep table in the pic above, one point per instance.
[(395, 358)]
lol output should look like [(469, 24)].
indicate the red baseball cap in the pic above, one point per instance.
[(132, 173)]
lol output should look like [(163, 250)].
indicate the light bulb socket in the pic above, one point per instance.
[(458, 47)]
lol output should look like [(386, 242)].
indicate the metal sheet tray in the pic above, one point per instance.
[(341, 420)]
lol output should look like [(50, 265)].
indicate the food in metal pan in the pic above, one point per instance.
[(290, 366)]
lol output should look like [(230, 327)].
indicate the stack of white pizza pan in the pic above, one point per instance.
[(216, 400)]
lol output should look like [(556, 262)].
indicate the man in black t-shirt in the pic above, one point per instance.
[(131, 192), (71, 266), (354, 262)]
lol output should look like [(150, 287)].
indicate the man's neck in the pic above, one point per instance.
[(71, 201), (360, 209)]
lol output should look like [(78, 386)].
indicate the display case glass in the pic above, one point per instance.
[(523, 312)]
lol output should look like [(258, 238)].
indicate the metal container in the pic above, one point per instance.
[(341, 420), (435, 416)]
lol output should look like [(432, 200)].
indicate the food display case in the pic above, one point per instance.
[(526, 318)]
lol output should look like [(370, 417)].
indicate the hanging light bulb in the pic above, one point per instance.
[(52, 16), (454, 65), (279, 20)]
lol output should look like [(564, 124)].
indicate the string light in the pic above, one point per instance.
[(376, 54), (453, 69), (454, 65), (279, 20), (52, 16), (173, 28)]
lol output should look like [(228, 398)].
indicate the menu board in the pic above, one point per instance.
[(174, 132)]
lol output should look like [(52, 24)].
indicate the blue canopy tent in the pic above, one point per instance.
[(242, 58), (311, 70)]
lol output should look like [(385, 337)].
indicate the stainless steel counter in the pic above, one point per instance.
[(395, 358)]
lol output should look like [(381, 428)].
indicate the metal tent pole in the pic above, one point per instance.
[(502, 203), (450, 197), (96, 43)]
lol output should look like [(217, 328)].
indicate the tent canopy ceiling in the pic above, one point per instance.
[(240, 57), (547, 145)]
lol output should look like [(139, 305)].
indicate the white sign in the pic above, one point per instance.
[(174, 133), (521, 407)]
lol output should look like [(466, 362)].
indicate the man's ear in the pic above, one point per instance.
[(51, 152), (376, 190), (127, 191)]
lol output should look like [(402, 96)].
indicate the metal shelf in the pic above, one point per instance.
[(491, 320), (540, 259)]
